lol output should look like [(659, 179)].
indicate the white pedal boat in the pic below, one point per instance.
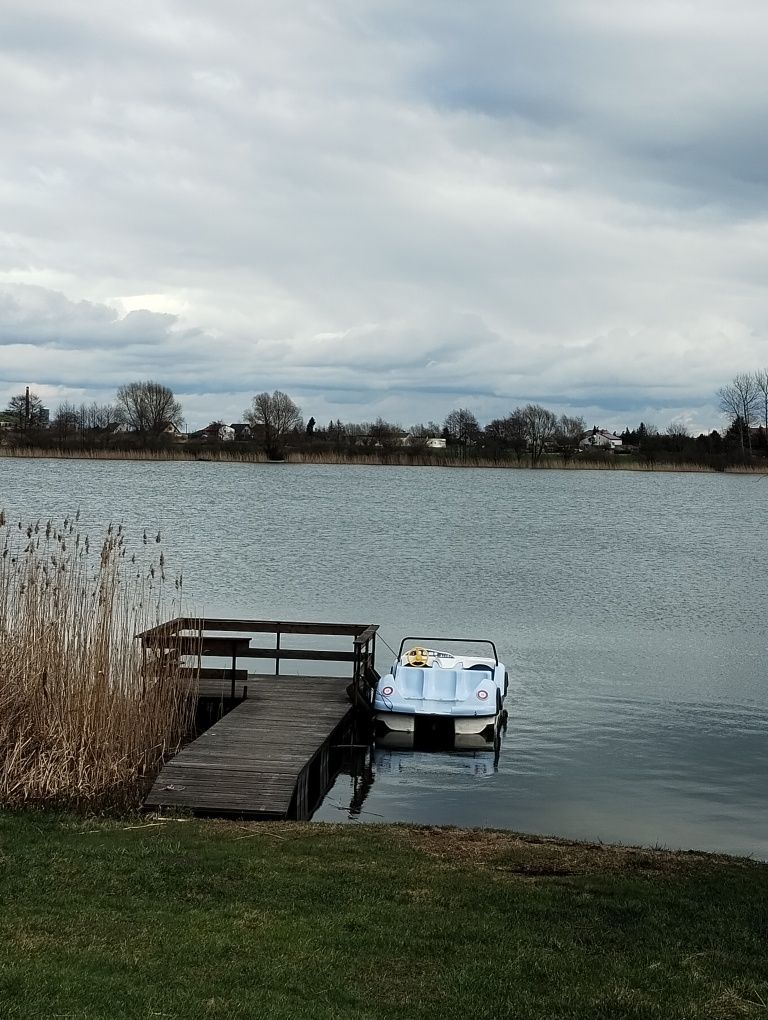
[(464, 689)]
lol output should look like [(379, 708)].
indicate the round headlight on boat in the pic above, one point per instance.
[(387, 691), (482, 695)]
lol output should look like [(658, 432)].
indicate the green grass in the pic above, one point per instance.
[(186, 919)]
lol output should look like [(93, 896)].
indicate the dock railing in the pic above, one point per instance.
[(202, 637)]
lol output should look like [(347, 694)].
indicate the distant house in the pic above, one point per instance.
[(242, 430), (429, 442), (172, 431), (600, 439), (216, 432)]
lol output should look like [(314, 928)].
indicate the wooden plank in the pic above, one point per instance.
[(250, 762), (214, 673), (209, 645), (366, 635), (321, 655), (266, 626)]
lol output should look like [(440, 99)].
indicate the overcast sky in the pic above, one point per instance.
[(385, 212)]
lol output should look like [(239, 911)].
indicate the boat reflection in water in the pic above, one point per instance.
[(395, 754), (489, 745)]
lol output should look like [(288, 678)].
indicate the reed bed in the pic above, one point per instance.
[(172, 453), (86, 719), (383, 458)]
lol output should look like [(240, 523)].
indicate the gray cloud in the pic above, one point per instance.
[(385, 211)]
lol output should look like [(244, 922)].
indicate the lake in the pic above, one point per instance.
[(630, 609)]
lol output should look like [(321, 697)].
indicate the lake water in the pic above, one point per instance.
[(631, 610)]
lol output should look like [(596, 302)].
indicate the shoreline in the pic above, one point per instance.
[(379, 460)]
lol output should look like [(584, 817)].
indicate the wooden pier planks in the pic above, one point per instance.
[(249, 763)]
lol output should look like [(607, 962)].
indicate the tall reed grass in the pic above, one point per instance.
[(86, 719), (233, 454)]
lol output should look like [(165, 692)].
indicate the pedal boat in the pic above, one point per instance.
[(464, 689)]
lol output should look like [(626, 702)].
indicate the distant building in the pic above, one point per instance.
[(216, 432), (242, 430), (430, 442), (600, 439), (173, 432)]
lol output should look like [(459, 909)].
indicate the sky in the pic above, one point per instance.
[(385, 211)]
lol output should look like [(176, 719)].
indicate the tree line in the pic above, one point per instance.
[(148, 414)]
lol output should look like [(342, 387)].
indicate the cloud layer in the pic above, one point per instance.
[(382, 211)]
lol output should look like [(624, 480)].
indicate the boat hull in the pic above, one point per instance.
[(400, 722)]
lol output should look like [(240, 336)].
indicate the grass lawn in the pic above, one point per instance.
[(186, 919)]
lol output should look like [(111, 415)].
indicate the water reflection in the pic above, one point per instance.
[(629, 608), (404, 757), (664, 773)]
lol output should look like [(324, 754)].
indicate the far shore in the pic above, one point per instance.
[(379, 458)]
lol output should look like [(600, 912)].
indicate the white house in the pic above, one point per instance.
[(601, 439)]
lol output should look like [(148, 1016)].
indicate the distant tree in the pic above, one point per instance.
[(761, 382), (425, 430), (27, 411), (311, 427), (737, 432), (540, 427), (104, 417), (568, 434), (149, 407), (277, 414), (677, 437), (337, 433), (461, 426), (740, 399), (418, 435), (66, 421), (507, 433), (387, 433), (678, 430)]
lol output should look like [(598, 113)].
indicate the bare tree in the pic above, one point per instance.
[(678, 430), (462, 427), (741, 400), (420, 434), (569, 433), (540, 427), (277, 414), (761, 381), (386, 433), (27, 411), (507, 433), (149, 407), (66, 421), (101, 417)]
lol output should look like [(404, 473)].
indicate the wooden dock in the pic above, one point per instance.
[(271, 754)]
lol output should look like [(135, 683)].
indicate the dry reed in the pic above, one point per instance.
[(85, 719), (384, 458)]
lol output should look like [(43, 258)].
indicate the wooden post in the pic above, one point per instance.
[(324, 770), (234, 669)]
